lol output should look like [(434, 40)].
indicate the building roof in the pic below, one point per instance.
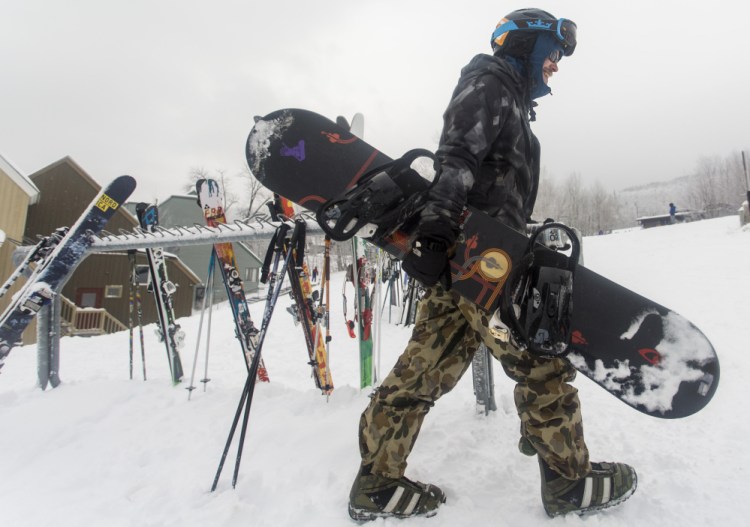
[(20, 179)]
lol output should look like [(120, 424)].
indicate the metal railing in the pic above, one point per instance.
[(87, 321)]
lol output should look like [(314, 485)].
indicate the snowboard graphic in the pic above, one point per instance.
[(643, 353), (211, 201)]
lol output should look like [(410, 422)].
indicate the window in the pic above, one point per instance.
[(113, 291)]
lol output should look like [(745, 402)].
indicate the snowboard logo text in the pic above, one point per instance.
[(489, 270), (336, 138), (105, 203)]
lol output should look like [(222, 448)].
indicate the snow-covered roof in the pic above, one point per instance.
[(19, 179)]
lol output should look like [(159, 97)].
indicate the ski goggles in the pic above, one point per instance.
[(555, 55), (564, 30)]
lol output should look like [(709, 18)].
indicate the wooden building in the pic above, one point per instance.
[(17, 193)]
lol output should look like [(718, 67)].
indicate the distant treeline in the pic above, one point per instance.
[(717, 187)]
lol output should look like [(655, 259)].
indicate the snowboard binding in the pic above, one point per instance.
[(537, 304), (379, 203)]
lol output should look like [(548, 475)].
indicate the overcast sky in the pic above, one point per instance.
[(154, 88)]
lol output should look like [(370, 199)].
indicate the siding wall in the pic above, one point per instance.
[(14, 203)]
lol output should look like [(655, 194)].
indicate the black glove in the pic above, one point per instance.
[(429, 258)]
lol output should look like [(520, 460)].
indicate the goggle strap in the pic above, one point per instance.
[(553, 25)]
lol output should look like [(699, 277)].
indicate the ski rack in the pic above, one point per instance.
[(258, 227)]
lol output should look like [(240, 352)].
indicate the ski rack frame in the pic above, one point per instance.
[(48, 331), (256, 228)]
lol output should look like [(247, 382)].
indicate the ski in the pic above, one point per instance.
[(53, 271), (163, 289), (363, 300), (211, 201), (363, 307), (38, 253), (306, 309), (306, 302)]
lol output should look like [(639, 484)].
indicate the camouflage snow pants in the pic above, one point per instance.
[(447, 332)]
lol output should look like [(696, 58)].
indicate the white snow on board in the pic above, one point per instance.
[(263, 132)]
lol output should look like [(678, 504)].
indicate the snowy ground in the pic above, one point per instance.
[(107, 451)]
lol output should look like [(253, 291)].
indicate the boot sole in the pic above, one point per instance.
[(603, 506), (363, 515)]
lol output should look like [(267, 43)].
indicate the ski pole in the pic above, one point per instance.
[(246, 398), (261, 338), (191, 387), (205, 378)]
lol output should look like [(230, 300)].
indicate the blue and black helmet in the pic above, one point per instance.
[(517, 32)]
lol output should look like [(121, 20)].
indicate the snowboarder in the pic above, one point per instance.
[(489, 158), (672, 213)]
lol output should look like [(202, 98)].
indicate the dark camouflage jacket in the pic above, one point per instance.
[(489, 158)]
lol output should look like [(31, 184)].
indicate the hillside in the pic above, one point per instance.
[(104, 450)]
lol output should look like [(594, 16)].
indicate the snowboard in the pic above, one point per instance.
[(645, 354), (54, 270)]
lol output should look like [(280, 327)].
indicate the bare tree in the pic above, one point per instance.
[(548, 203), (258, 195), (702, 190), (604, 209), (574, 203)]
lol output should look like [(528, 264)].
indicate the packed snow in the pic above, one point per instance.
[(105, 450)]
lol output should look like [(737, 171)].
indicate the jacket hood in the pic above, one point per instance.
[(484, 64)]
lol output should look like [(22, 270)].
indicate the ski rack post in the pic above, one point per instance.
[(391, 294), (134, 301), (484, 381), (246, 399)]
